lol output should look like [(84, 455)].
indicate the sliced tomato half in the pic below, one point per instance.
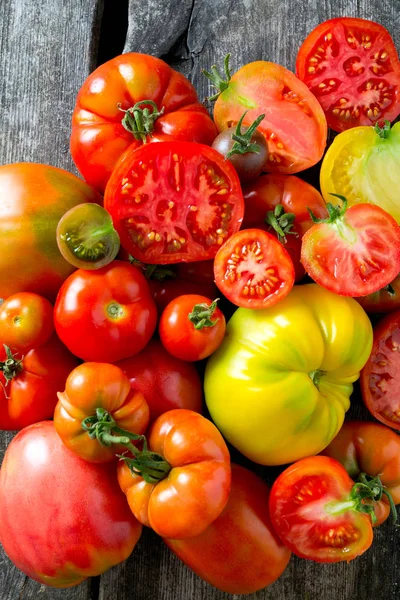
[(174, 201)]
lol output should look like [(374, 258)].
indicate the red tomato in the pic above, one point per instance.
[(264, 87), (239, 553), (383, 301), (352, 67), (105, 315), (174, 202), (62, 518), (253, 269), (192, 327), (165, 381), (355, 251), (166, 291), (104, 122), (26, 321), (96, 409), (33, 199), (372, 450), (185, 478), (314, 514), (29, 384), (267, 192), (200, 272), (380, 377)]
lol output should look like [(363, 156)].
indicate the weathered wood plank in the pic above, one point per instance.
[(47, 48)]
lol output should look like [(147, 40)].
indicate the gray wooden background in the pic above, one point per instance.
[(47, 48)]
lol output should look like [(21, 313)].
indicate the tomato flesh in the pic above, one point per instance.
[(174, 201), (253, 269), (352, 67)]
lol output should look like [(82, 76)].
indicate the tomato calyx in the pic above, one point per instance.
[(383, 131), (281, 222), (243, 143), (153, 272), (202, 313), (11, 366), (140, 121), (217, 80), (334, 212)]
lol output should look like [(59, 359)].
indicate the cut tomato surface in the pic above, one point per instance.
[(174, 201), (352, 67)]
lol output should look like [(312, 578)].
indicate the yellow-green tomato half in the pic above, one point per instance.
[(279, 385)]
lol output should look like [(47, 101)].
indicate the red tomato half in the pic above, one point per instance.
[(253, 269), (352, 67), (174, 202), (311, 511), (99, 138), (380, 378)]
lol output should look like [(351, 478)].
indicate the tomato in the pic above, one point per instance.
[(29, 383), (183, 483), (62, 518), (97, 409), (318, 513), (352, 67), (363, 165), (33, 198), (239, 553), (384, 300), (105, 315), (192, 327), (264, 87), (266, 193), (252, 269), (380, 376), (166, 291), (86, 237), (112, 103), (174, 202), (247, 150), (353, 252), (26, 321), (165, 381), (197, 272), (279, 385), (372, 450)]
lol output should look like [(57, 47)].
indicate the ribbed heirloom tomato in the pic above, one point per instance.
[(128, 101)]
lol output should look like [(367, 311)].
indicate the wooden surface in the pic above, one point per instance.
[(47, 48)]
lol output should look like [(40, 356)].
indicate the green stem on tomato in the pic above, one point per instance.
[(217, 80), (202, 313), (140, 121)]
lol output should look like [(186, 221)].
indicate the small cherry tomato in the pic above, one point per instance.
[(253, 270), (86, 237), (192, 327), (26, 321)]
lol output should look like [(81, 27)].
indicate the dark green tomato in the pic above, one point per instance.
[(86, 237), (248, 165)]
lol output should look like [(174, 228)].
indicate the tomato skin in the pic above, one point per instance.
[(98, 137), (31, 395), (156, 222), (34, 197), (105, 315), (196, 489), (295, 195), (53, 495), (295, 363), (373, 449), (299, 509), (179, 335), (380, 376), (201, 271), (346, 51), (26, 321), (248, 165), (382, 301), (165, 381), (166, 291), (91, 386), (264, 87), (355, 255), (253, 556)]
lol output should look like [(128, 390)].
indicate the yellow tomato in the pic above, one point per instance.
[(364, 166), (279, 385)]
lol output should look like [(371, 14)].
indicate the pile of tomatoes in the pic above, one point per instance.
[(115, 295)]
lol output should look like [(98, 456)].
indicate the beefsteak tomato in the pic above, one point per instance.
[(62, 518), (279, 385)]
